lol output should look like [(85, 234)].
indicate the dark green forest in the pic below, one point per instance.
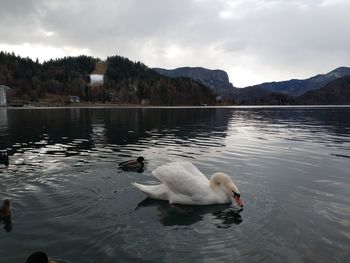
[(125, 82)]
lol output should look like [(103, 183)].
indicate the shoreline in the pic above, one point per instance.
[(130, 106)]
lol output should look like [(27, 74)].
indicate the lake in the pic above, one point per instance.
[(69, 199)]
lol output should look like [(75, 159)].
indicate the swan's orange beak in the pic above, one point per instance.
[(238, 200)]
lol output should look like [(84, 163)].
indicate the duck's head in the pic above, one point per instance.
[(6, 204), (4, 158), (228, 186), (140, 159), (39, 257)]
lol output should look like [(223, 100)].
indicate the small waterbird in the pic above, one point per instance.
[(137, 164), (39, 257), (4, 158), (5, 210)]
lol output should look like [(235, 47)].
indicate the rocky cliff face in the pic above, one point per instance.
[(216, 79), (196, 73)]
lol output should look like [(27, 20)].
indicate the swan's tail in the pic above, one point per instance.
[(153, 191)]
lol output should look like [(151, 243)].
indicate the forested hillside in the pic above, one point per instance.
[(297, 87), (32, 81), (137, 83), (125, 82), (335, 92), (216, 79)]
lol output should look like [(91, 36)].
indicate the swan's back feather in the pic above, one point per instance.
[(158, 191), (181, 178)]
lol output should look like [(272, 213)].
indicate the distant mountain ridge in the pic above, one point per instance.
[(216, 79), (297, 87), (278, 92), (335, 92)]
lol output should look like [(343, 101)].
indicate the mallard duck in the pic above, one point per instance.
[(183, 183), (133, 164), (4, 158), (39, 257), (5, 210)]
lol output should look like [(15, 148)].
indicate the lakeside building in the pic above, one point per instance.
[(74, 99), (96, 80), (3, 90)]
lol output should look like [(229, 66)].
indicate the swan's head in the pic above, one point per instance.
[(227, 185)]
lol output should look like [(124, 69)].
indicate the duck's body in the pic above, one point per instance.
[(183, 183), (39, 257), (4, 158), (5, 210), (133, 164)]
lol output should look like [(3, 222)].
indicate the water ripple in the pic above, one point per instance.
[(68, 194)]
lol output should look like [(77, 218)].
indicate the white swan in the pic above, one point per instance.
[(183, 183)]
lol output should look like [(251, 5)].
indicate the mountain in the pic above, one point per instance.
[(124, 82), (335, 92), (249, 95), (297, 87), (270, 93), (130, 82), (216, 79)]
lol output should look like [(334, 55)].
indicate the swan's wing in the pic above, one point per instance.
[(158, 191), (182, 178), (190, 168)]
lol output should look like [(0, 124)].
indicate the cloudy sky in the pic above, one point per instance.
[(252, 40)]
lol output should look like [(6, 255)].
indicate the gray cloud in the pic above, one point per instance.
[(253, 40)]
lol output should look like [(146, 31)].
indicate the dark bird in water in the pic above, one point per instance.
[(39, 257), (4, 158), (5, 210), (5, 215), (133, 165)]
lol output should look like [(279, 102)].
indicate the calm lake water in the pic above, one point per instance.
[(292, 166)]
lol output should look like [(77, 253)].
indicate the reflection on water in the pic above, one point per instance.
[(3, 119), (181, 215), (7, 223), (70, 199)]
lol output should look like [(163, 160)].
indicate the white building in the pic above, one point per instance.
[(3, 90), (74, 99), (96, 80)]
